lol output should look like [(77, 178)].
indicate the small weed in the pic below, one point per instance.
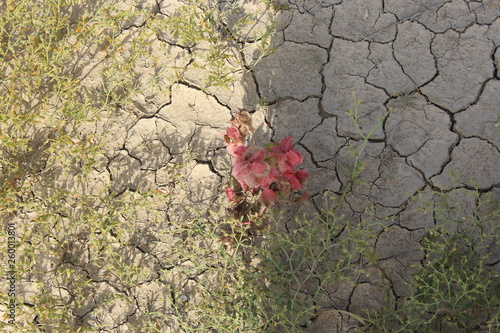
[(355, 170), (405, 99)]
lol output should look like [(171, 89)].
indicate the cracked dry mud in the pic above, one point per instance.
[(434, 63)]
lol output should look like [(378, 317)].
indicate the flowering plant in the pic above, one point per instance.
[(261, 176)]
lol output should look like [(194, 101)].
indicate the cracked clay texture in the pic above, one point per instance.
[(433, 64)]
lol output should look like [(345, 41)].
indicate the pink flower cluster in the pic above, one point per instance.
[(269, 173)]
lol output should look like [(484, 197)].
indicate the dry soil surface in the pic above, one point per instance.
[(434, 63)]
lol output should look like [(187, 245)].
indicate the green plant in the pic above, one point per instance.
[(405, 99), (456, 287), (263, 283), (357, 167)]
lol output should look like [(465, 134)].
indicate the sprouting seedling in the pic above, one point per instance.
[(406, 99)]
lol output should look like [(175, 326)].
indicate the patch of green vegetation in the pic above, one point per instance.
[(457, 287), (268, 283), (74, 248)]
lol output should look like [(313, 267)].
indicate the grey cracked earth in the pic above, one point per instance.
[(435, 64), (446, 56)]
